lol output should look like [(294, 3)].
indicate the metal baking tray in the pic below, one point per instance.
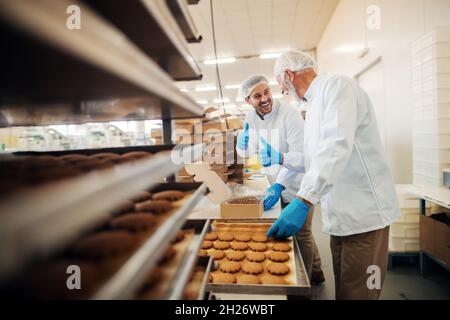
[(302, 288)]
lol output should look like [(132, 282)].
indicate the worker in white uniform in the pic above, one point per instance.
[(346, 172), (282, 125)]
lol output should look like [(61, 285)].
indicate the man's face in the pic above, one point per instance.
[(291, 83), (261, 99)]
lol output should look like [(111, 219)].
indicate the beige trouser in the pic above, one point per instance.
[(352, 255)]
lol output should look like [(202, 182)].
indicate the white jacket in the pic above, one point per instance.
[(346, 167), (283, 129)]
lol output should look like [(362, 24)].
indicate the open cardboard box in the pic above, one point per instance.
[(241, 210)]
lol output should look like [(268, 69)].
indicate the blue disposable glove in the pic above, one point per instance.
[(273, 195), (243, 138), (268, 156), (290, 220)]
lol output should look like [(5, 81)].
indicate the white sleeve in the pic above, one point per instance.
[(294, 158), (284, 175), (252, 142), (337, 134)]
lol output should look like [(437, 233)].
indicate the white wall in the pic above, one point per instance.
[(402, 22)]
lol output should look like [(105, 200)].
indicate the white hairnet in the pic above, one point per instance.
[(250, 83), (294, 61)]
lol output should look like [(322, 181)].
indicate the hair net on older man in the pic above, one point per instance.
[(294, 61), (250, 83)]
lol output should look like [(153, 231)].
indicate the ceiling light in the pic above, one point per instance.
[(277, 96), (270, 55), (184, 90), (202, 101), (232, 86), (273, 83), (224, 100), (220, 61), (206, 88), (240, 99)]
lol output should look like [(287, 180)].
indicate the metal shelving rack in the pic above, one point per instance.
[(104, 71)]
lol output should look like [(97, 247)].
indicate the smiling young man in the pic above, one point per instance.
[(274, 121)]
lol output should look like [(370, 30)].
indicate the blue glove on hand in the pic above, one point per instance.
[(290, 220), (268, 155), (273, 195), (243, 137)]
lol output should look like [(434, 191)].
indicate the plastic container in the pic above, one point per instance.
[(397, 244)]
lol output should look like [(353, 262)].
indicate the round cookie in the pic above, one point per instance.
[(226, 237), (283, 247), (257, 246), (222, 278), (256, 256), (278, 256), (179, 237), (260, 237), (278, 269), (217, 254), (236, 255), (240, 246), (104, 245), (230, 266), (134, 222), (136, 155), (221, 245), (211, 236), (202, 253), (169, 195), (248, 279), (252, 268), (207, 244), (125, 207), (242, 237), (271, 279), (154, 206), (142, 196)]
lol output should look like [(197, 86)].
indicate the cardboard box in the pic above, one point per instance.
[(184, 139), (435, 237), (184, 128), (202, 127), (156, 133), (235, 123), (241, 211), (158, 141)]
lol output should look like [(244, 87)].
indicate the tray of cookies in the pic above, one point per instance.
[(246, 261), (195, 289)]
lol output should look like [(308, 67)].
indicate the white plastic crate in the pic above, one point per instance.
[(432, 169), (403, 245), (440, 155), (426, 181)]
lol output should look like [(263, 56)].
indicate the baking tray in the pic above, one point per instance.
[(302, 288)]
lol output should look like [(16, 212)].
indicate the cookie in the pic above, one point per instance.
[(257, 246), (230, 266), (217, 254), (278, 269), (235, 255), (105, 156), (278, 256), (125, 207), (283, 247), (240, 246), (260, 238), (169, 195), (136, 155), (142, 196), (202, 253), (134, 222), (226, 237), (104, 244), (211, 236), (154, 206), (168, 255), (242, 237), (248, 279), (207, 244), (256, 256), (252, 268), (271, 279), (222, 278), (179, 237), (221, 245)]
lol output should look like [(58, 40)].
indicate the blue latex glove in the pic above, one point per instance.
[(243, 138), (290, 220), (268, 156), (273, 195)]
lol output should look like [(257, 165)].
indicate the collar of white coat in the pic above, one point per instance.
[(309, 94), (273, 113)]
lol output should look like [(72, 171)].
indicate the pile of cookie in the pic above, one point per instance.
[(244, 200), (101, 253), (21, 172), (247, 256)]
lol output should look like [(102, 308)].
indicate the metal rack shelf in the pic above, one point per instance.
[(184, 19), (52, 74), (125, 282), (38, 222)]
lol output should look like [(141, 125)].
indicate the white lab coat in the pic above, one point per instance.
[(346, 166), (283, 129)]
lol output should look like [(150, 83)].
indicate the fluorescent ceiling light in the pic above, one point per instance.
[(240, 99), (277, 96), (230, 106), (349, 48), (270, 55), (232, 86), (220, 61), (273, 83), (224, 100), (202, 101), (184, 90), (206, 88)]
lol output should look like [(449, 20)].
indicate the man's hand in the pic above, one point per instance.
[(268, 155), (273, 195), (290, 220), (243, 137)]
